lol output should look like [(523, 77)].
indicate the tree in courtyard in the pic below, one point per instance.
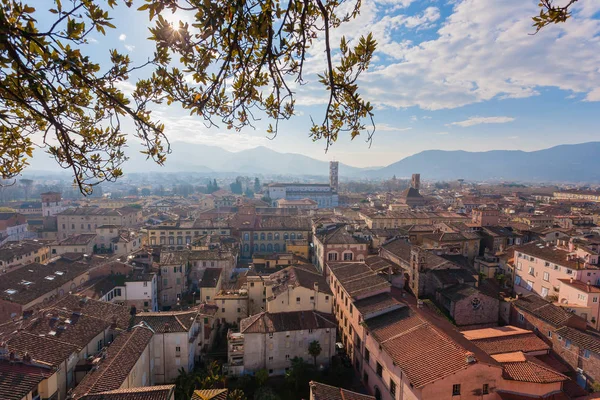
[(185, 383), (314, 349), (235, 59), (236, 394)]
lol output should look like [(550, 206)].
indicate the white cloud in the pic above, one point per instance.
[(122, 37), (129, 47), (483, 50), (92, 40), (390, 128), (483, 120)]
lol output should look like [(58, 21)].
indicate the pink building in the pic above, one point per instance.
[(485, 216), (539, 267), (582, 299)]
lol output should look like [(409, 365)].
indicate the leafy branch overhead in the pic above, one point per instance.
[(239, 59), (550, 13)]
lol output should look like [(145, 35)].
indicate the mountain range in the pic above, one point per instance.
[(569, 163)]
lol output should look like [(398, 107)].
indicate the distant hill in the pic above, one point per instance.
[(574, 163), (571, 163)]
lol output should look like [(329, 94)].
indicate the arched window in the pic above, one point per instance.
[(262, 247), (269, 247), (293, 236), (246, 236), (246, 248), (299, 236), (256, 236), (256, 247), (277, 236), (285, 236), (276, 247), (262, 236), (377, 393)]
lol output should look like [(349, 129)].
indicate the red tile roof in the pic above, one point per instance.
[(161, 392), (407, 338), (17, 380), (527, 342), (286, 321), (321, 391), (531, 370), (122, 355)]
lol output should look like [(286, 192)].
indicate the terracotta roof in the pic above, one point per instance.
[(42, 348), (160, 392), (582, 286), (79, 239), (286, 321), (542, 309), (121, 357), (109, 312), (357, 278), (210, 394), (321, 391), (531, 370), (339, 235), (211, 277), (408, 338), (168, 321), (583, 339), (17, 380), (32, 281), (305, 276), (553, 255), (379, 302)]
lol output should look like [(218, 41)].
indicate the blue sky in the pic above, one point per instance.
[(448, 75)]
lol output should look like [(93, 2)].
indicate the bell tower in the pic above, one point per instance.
[(415, 182), (333, 175)]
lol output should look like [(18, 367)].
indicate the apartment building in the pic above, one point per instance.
[(179, 341), (233, 306), (173, 283), (16, 254), (540, 266), (87, 219), (126, 364), (13, 227), (395, 219), (26, 378), (390, 343), (83, 243), (269, 233), (577, 195), (178, 234), (338, 243), (272, 340)]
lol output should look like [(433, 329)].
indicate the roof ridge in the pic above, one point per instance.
[(414, 328)]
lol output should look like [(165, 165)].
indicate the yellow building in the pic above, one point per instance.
[(298, 248)]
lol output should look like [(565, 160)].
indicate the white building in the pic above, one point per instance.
[(52, 204), (272, 340), (180, 337), (323, 194)]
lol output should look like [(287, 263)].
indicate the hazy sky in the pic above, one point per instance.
[(448, 75)]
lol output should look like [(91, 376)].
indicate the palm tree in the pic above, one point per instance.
[(212, 379), (236, 394), (185, 383), (314, 349)]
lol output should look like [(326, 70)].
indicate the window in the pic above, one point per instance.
[(270, 358), (392, 388), (581, 297), (287, 356), (529, 285), (145, 284), (546, 264), (327, 299), (177, 349), (348, 256), (99, 345), (517, 280), (222, 309), (379, 370), (550, 334), (569, 272), (367, 355), (546, 276), (456, 390), (366, 378), (332, 257), (262, 236), (486, 388), (297, 300), (531, 271), (586, 353), (567, 344), (521, 317), (595, 299)]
